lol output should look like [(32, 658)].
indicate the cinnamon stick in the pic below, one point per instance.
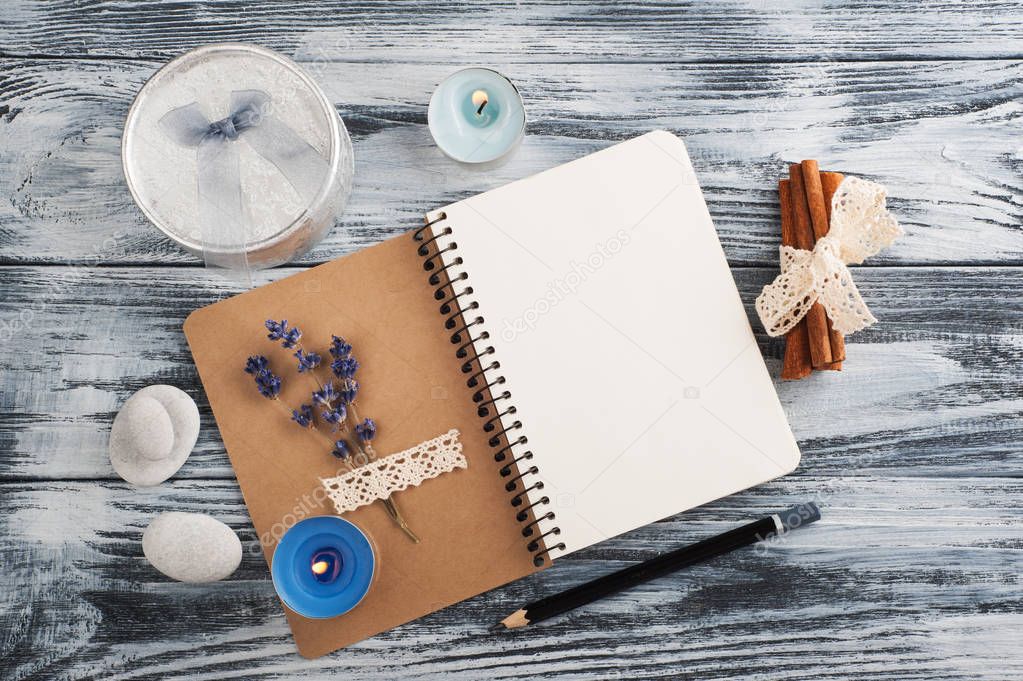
[(829, 185), (816, 318), (818, 209), (796, 363)]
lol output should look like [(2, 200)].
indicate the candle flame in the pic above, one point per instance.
[(479, 100), (320, 566)]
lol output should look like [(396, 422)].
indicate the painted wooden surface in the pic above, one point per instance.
[(934, 390), (478, 32), (906, 578), (913, 451), (942, 136)]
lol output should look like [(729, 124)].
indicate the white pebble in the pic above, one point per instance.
[(153, 434), (191, 547)]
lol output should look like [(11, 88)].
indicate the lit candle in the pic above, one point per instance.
[(323, 567), (326, 565), (476, 116)]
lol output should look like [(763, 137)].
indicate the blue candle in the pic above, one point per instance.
[(476, 116), (323, 567)]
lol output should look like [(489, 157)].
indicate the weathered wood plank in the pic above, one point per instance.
[(467, 32), (931, 390), (942, 136), (902, 579)]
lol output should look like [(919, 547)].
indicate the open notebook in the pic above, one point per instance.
[(606, 342)]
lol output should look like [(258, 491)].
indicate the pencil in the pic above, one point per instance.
[(759, 530)]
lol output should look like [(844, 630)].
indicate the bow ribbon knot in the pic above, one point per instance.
[(860, 227), (225, 127)]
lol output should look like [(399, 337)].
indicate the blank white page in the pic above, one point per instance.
[(622, 339)]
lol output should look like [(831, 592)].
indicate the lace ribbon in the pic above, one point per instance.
[(381, 478), (860, 227)]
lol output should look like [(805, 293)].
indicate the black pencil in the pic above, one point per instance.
[(777, 523)]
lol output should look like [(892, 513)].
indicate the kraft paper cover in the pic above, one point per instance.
[(411, 385)]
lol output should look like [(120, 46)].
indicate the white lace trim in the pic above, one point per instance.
[(860, 227), (385, 476)]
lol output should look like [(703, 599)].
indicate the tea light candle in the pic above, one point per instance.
[(323, 567), (476, 116)]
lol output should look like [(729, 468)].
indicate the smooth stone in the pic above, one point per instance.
[(153, 434), (191, 547)]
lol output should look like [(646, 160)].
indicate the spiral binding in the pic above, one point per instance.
[(466, 331)]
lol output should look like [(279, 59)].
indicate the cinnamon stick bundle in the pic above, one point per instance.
[(797, 363), (805, 201), (816, 318)]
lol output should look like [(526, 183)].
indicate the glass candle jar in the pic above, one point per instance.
[(237, 155)]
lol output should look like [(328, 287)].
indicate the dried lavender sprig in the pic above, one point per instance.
[(256, 364), (290, 338), (366, 430), (279, 331), (339, 347), (268, 384), (307, 361), (349, 389), (345, 367), (276, 329), (326, 395), (334, 416), (304, 416)]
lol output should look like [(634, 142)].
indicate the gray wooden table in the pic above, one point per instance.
[(914, 450)]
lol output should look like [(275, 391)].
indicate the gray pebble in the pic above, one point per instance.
[(191, 547), (153, 434)]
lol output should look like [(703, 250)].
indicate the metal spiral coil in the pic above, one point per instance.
[(456, 304)]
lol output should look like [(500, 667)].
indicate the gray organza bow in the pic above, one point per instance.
[(222, 221)]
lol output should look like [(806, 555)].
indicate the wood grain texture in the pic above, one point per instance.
[(943, 137), (913, 450), (902, 579), (476, 32), (931, 390)]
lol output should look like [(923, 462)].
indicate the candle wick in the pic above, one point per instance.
[(480, 110)]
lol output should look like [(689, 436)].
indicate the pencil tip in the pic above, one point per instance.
[(494, 628), (513, 621)]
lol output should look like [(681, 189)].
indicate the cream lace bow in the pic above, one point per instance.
[(860, 227)]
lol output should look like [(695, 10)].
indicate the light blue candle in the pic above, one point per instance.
[(323, 567), (476, 116)]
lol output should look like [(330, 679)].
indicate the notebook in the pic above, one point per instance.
[(614, 371)]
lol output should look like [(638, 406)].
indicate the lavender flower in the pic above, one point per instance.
[(256, 364), (303, 416), (367, 430), (279, 331), (269, 385), (276, 329), (307, 361), (340, 450), (349, 389), (291, 337), (335, 416), (339, 347), (325, 396), (344, 367)]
